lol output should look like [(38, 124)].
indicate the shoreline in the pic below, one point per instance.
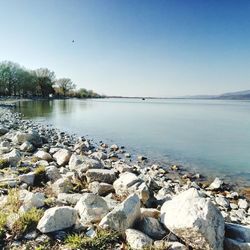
[(66, 157)]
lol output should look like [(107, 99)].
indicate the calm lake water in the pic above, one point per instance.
[(211, 136)]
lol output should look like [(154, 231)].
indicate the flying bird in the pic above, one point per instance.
[(73, 41)]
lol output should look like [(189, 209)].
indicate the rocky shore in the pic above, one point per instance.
[(62, 192)]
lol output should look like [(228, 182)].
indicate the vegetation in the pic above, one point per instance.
[(27, 222), (102, 241), (21, 82)]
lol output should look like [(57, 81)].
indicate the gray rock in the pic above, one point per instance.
[(43, 155), (242, 203), (13, 157), (27, 147), (221, 201), (124, 215), (3, 130), (230, 244), (70, 199), (91, 208), (237, 232), (53, 173), (100, 188), (101, 175), (62, 185), (57, 218), (31, 137), (195, 220), (151, 227), (138, 240)]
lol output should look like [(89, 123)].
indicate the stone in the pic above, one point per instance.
[(242, 203), (221, 201), (122, 167), (57, 218), (70, 199), (216, 184), (99, 155), (114, 147), (237, 232), (230, 244), (32, 200), (91, 208), (129, 183), (31, 137), (13, 157), (162, 244), (151, 227), (124, 215), (3, 130), (43, 155), (27, 178), (195, 220), (27, 147), (53, 173), (100, 188), (150, 212), (62, 185), (62, 157), (101, 175), (138, 240)]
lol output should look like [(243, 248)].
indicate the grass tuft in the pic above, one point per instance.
[(4, 163)]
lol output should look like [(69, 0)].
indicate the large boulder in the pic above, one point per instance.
[(62, 156), (57, 218), (31, 137), (101, 175), (124, 215), (138, 240), (91, 208), (195, 220), (43, 155)]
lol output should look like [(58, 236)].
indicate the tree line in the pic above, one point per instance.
[(18, 81)]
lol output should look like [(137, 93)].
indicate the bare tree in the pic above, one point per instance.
[(66, 85)]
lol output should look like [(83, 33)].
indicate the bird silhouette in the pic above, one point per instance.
[(73, 41)]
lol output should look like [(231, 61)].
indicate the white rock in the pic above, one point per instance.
[(31, 137), (27, 147), (62, 185), (195, 220), (32, 200), (62, 156), (57, 218), (242, 203), (138, 240), (124, 215), (100, 188), (43, 155), (27, 178), (221, 201), (91, 208), (216, 184)]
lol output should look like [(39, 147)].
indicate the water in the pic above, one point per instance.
[(211, 136)]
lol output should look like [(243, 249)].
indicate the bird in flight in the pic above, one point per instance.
[(73, 41)]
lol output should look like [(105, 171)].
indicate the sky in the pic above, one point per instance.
[(160, 48)]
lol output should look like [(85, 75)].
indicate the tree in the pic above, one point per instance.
[(66, 85)]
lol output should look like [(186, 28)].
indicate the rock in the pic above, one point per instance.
[(31, 137), (195, 220), (129, 183), (138, 240), (150, 212), (114, 147), (151, 227), (27, 147), (13, 157), (62, 185), (237, 232), (3, 130), (32, 200), (223, 202), (99, 155), (230, 244), (27, 178), (162, 244), (83, 163), (216, 184), (141, 158), (242, 203), (62, 156), (43, 155), (100, 188), (70, 199), (57, 218), (53, 173), (12, 218), (123, 167), (91, 208), (101, 175), (123, 216)]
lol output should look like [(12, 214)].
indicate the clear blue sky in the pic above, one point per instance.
[(133, 47)]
